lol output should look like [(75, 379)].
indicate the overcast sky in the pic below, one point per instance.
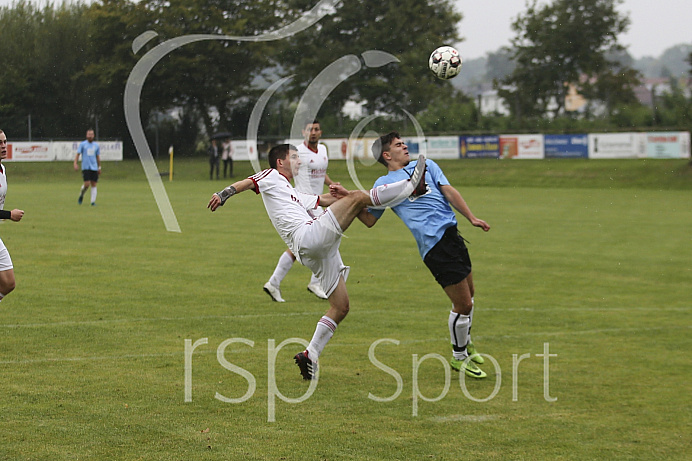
[(655, 25)]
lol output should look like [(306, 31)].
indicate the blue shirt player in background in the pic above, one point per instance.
[(91, 165), (431, 219)]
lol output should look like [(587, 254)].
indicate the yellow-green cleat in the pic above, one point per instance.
[(470, 368), (471, 349)]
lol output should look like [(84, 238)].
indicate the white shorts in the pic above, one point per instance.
[(318, 250), (5, 260)]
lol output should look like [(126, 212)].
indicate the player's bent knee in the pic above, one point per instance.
[(360, 197), (344, 310), (463, 308), (7, 287)]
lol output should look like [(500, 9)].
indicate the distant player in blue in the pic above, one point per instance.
[(431, 219), (91, 165)]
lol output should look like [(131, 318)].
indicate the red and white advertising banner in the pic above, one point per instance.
[(337, 149), (244, 150), (30, 152), (522, 146), (59, 151), (673, 144)]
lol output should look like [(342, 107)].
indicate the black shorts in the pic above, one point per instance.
[(449, 259), (90, 175)]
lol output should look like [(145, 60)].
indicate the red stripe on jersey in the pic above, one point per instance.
[(375, 198), (258, 177)]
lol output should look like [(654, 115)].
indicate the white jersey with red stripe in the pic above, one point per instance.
[(313, 169), (287, 207)]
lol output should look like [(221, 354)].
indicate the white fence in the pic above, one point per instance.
[(669, 144)]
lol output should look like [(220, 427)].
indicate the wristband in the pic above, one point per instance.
[(226, 194)]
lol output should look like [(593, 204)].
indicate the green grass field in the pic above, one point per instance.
[(591, 260)]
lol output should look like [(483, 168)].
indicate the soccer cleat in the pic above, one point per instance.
[(470, 368), (317, 290), (418, 176), (273, 292), (422, 187), (80, 199), (308, 367), (93, 203), (471, 349)]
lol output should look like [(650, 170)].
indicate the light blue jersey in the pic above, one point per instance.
[(426, 216), (89, 152)]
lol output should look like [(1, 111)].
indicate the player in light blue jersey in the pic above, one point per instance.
[(432, 221), (91, 165)]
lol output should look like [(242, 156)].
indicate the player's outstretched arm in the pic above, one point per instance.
[(457, 201), (219, 198)]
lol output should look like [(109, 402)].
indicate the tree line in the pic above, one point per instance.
[(66, 67)]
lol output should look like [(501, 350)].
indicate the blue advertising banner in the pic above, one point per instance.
[(566, 146), (479, 146)]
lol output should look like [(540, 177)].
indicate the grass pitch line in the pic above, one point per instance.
[(318, 312), (464, 418)]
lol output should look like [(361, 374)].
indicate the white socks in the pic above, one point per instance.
[(459, 333), (471, 318), (93, 195), (323, 333), (389, 195), (282, 267)]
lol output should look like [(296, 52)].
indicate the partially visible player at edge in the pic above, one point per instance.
[(314, 240), (7, 281), (311, 179), (91, 165), (432, 222)]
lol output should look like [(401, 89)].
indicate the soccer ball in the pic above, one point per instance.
[(445, 62)]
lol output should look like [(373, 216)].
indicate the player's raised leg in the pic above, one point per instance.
[(347, 208)]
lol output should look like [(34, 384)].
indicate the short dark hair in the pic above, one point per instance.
[(382, 145), (279, 152), (314, 122)]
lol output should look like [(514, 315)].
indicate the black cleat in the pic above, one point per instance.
[(308, 368)]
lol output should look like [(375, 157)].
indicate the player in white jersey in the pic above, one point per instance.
[(7, 282), (315, 240), (311, 180)]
